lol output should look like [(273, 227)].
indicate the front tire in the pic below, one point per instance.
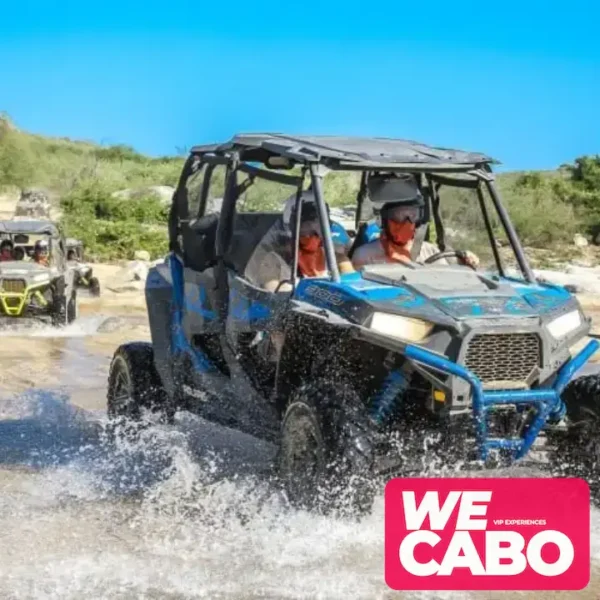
[(134, 385), (577, 453), (326, 456), (72, 308)]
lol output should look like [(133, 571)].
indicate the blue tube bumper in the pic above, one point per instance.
[(547, 401)]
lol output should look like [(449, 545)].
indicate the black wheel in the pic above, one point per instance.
[(94, 286), (577, 453), (72, 308), (326, 456), (59, 312), (135, 386)]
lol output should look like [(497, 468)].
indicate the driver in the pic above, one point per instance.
[(40, 253), (6, 251), (401, 212)]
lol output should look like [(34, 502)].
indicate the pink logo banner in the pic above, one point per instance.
[(487, 534)]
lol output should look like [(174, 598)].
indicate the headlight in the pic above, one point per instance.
[(565, 324), (405, 328), (41, 277)]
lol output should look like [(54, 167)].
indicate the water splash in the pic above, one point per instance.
[(169, 514)]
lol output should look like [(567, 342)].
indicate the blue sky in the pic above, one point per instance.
[(517, 80)]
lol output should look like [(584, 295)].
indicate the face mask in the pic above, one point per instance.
[(310, 243), (401, 233)]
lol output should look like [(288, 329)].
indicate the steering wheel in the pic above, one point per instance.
[(460, 255)]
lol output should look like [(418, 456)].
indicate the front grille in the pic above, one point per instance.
[(503, 358), (13, 286)]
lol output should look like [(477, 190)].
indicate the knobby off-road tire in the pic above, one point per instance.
[(63, 310), (72, 308), (94, 286), (134, 387), (577, 454), (325, 460)]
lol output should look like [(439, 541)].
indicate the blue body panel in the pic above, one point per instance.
[(353, 289), (179, 343)]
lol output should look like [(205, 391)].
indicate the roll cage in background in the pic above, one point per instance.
[(9, 229), (315, 156)]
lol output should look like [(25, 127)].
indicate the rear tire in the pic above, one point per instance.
[(326, 456), (577, 453), (94, 286), (134, 385)]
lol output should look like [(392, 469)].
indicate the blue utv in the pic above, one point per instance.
[(376, 372)]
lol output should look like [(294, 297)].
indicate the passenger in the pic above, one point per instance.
[(40, 253), (341, 240), (6, 251), (271, 263), (401, 212), (19, 253)]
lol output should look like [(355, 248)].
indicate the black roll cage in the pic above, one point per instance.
[(237, 160)]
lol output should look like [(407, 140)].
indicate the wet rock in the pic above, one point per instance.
[(112, 324), (580, 241), (142, 255), (585, 280), (34, 204)]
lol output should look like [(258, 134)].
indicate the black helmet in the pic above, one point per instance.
[(309, 209)]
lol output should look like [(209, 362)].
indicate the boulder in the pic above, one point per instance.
[(164, 193), (214, 205), (112, 324), (131, 277), (142, 255), (580, 241)]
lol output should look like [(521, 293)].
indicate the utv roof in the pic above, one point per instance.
[(33, 227), (337, 152)]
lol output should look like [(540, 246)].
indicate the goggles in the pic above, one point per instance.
[(402, 213)]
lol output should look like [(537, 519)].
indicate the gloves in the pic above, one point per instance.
[(469, 259)]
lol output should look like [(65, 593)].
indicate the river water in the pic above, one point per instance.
[(184, 512)]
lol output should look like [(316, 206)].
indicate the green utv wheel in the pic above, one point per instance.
[(326, 456), (94, 286), (134, 386), (577, 453)]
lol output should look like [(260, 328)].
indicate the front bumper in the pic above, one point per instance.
[(546, 401), (30, 302)]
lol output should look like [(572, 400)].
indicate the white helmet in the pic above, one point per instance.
[(41, 246)]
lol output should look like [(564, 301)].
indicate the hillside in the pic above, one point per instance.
[(84, 179)]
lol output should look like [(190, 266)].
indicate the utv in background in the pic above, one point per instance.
[(29, 290), (83, 273)]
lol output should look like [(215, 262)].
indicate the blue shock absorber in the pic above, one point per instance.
[(384, 401)]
